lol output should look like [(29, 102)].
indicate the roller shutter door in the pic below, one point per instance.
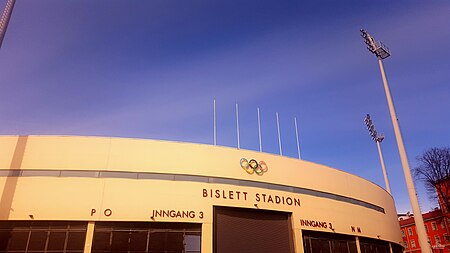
[(251, 230)]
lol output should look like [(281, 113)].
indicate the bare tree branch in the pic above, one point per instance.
[(433, 169)]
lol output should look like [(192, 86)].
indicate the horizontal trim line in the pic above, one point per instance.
[(188, 178)]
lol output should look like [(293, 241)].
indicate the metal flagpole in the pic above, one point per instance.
[(259, 132), (215, 127), (237, 126), (6, 16), (279, 137), (296, 135)]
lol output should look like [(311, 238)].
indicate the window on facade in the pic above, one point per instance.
[(437, 239), (42, 237), (413, 244), (433, 226), (396, 248), (373, 246), (446, 238), (328, 243), (409, 231), (426, 228), (144, 237), (442, 224), (403, 232)]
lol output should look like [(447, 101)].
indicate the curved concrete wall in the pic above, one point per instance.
[(96, 178)]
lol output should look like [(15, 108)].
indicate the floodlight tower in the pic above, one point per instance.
[(378, 139), (4, 20), (382, 52)]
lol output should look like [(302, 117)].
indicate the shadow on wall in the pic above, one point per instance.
[(12, 178)]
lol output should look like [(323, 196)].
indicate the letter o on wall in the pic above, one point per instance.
[(107, 212)]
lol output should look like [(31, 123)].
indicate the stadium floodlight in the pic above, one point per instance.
[(375, 47), (382, 52), (378, 139)]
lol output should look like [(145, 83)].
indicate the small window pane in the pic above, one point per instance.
[(339, 246), (56, 240), (18, 240), (37, 240), (119, 241), (175, 242), (192, 242), (157, 242), (352, 247), (101, 241), (382, 249), (76, 240), (320, 245), (307, 244), (138, 241), (4, 238)]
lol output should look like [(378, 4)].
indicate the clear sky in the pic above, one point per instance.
[(150, 69)]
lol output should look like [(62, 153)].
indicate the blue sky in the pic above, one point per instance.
[(150, 69)]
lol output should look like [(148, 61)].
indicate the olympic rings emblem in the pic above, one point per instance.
[(252, 166)]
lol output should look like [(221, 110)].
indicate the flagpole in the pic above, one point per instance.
[(259, 132), (279, 135), (237, 126), (296, 135), (215, 124)]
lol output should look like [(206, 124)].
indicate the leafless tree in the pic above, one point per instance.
[(433, 169)]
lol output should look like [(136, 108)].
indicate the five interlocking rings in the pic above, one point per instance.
[(253, 166)]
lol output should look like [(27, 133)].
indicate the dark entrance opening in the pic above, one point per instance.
[(251, 230)]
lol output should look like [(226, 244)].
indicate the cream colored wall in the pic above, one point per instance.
[(64, 198)]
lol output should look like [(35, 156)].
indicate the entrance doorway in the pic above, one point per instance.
[(251, 230)]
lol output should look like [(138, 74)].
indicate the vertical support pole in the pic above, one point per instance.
[(207, 243), (4, 20), (296, 136), (89, 237), (383, 167), (237, 127), (358, 246), (215, 123), (279, 135), (420, 225), (259, 132)]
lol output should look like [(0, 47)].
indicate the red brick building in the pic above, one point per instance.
[(436, 226), (443, 193)]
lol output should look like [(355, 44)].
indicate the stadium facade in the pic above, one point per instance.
[(97, 194)]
